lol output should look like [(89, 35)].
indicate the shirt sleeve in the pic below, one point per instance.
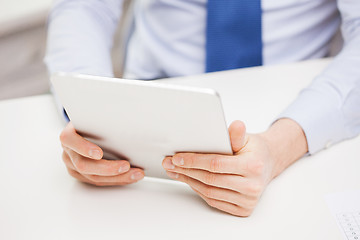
[(329, 109), (80, 36)]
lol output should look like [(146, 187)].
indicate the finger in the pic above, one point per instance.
[(133, 175), (83, 179), (226, 207), (99, 167), (69, 138), (67, 161), (227, 181), (79, 177), (220, 194), (212, 162), (237, 132)]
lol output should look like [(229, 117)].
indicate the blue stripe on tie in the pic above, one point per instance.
[(233, 34)]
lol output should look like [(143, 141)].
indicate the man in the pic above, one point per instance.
[(177, 37)]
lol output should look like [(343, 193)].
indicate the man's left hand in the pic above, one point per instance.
[(231, 183)]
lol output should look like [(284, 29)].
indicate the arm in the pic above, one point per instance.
[(80, 36), (80, 40), (329, 109)]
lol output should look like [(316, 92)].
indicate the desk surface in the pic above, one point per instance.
[(40, 201)]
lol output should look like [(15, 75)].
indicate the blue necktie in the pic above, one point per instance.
[(233, 34)]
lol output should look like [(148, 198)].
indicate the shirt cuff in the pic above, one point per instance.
[(319, 114), (67, 119)]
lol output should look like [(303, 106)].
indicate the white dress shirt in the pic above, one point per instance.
[(169, 40)]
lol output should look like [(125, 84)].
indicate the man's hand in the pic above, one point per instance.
[(84, 162), (235, 183)]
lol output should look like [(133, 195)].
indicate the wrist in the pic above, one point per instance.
[(287, 143)]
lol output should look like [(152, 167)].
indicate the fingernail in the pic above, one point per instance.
[(178, 160), (168, 164), (136, 176), (123, 168), (95, 153), (173, 175)]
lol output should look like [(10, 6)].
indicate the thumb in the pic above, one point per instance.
[(237, 131)]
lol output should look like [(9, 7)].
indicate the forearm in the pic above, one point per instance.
[(80, 36), (287, 143), (329, 109)]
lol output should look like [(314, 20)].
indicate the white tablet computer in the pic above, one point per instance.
[(143, 121)]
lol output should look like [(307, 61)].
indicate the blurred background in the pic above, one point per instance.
[(23, 46)]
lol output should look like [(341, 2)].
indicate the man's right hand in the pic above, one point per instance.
[(84, 162)]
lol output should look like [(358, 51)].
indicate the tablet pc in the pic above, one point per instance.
[(143, 121)]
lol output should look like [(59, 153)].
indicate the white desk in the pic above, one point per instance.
[(38, 200)]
